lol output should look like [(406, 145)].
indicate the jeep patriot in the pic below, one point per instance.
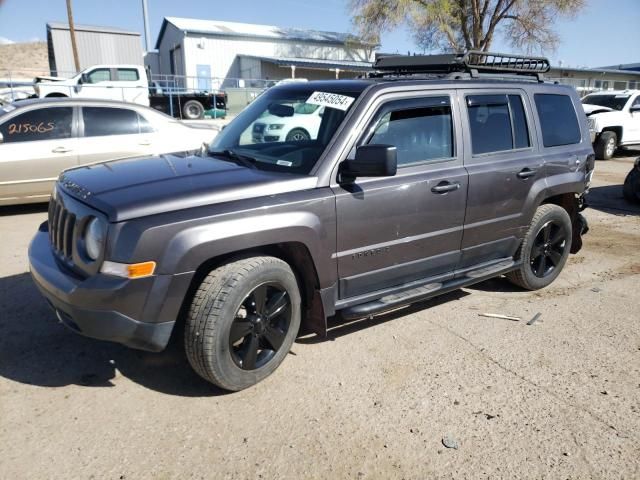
[(431, 174)]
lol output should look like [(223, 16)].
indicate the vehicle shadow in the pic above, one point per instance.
[(9, 210), (609, 199), (37, 350)]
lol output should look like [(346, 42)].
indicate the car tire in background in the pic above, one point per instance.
[(193, 110), (631, 187), (606, 145), (545, 248), (243, 319), (298, 135)]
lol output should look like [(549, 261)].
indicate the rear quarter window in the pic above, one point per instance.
[(558, 120)]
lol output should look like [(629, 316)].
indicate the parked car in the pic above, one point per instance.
[(40, 138), (302, 124), (414, 185), (631, 187), (129, 83), (614, 120)]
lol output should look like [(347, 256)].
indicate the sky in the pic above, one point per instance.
[(607, 32)]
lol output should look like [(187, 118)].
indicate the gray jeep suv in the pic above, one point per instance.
[(431, 174)]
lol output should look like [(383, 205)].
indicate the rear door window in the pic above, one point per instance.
[(497, 123), (41, 124), (102, 121), (128, 75), (421, 130), (558, 120)]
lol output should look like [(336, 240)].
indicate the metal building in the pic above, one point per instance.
[(96, 45), (230, 54)]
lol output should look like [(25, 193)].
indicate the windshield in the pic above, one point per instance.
[(286, 129), (615, 102)]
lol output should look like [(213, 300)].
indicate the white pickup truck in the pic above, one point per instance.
[(127, 83), (614, 120)]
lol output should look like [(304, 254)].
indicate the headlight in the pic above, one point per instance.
[(94, 238), (54, 192), (276, 126)]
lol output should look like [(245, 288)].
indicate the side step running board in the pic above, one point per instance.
[(424, 292)]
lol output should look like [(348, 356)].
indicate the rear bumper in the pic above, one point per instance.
[(138, 313)]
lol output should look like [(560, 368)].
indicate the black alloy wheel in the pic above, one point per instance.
[(548, 249), (260, 326)]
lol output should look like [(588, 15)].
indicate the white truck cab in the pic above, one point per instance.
[(614, 120), (126, 83)]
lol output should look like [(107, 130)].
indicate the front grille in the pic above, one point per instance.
[(61, 229)]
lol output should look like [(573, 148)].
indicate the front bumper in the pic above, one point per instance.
[(138, 313)]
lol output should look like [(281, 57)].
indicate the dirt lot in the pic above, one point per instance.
[(559, 399)]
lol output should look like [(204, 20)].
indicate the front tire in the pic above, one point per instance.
[(298, 135), (606, 145), (545, 248), (242, 322)]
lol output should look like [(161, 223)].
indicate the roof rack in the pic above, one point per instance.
[(472, 62)]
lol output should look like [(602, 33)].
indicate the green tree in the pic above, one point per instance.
[(466, 24)]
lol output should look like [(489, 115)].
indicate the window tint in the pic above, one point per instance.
[(42, 124), (419, 132), (490, 123), (519, 120), (128, 74), (100, 75), (558, 120), (99, 121)]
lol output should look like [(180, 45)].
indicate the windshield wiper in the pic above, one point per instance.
[(238, 159)]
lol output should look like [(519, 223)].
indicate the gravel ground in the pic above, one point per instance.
[(558, 399)]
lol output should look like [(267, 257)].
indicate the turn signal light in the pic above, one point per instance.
[(132, 270)]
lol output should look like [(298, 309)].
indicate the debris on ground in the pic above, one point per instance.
[(450, 442), (534, 319), (498, 315)]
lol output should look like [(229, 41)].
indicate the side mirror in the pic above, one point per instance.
[(371, 161), (84, 78), (1, 138)]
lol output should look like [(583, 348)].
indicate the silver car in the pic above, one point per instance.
[(40, 138)]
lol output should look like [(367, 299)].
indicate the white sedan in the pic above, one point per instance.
[(302, 125), (40, 138)]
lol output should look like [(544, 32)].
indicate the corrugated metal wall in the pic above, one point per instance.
[(94, 48)]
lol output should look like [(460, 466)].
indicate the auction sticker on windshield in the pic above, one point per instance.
[(331, 100)]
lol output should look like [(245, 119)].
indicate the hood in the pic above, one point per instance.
[(592, 109), (137, 187)]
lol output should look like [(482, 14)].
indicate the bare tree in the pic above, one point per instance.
[(466, 24), (72, 32)]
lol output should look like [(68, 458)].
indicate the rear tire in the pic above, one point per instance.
[(606, 145), (193, 110), (545, 248), (631, 188), (242, 322)]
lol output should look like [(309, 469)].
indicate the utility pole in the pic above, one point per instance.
[(145, 17), (72, 32)]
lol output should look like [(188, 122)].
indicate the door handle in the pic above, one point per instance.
[(445, 186), (526, 173), (145, 143), (61, 150)]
